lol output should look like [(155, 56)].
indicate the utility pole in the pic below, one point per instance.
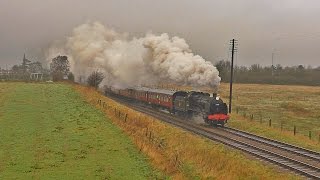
[(272, 67), (233, 50)]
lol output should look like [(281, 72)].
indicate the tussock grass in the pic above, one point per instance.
[(177, 153)]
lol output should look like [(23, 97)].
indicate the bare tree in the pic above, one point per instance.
[(95, 78), (35, 67), (59, 68)]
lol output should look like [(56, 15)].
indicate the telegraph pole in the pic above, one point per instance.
[(233, 50), (272, 67)]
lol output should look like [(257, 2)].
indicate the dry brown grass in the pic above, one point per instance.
[(177, 153)]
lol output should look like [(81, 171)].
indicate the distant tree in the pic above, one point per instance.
[(95, 78), (223, 65), (35, 67), (224, 69), (59, 67), (16, 68), (71, 77), (279, 67), (300, 67), (255, 68)]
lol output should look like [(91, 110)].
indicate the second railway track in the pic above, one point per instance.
[(299, 160)]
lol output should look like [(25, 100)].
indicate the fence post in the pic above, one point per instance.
[(150, 133), (260, 119), (309, 134), (125, 118), (294, 130), (119, 113), (176, 159), (270, 122), (251, 117)]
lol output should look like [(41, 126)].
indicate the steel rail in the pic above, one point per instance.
[(277, 144)]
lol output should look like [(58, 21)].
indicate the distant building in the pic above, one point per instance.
[(5, 72)]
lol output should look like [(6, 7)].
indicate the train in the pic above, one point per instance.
[(188, 104)]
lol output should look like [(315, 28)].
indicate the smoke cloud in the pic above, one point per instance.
[(134, 61)]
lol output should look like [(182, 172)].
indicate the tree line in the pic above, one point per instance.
[(294, 75), (59, 70)]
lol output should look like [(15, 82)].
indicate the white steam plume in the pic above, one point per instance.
[(130, 62)]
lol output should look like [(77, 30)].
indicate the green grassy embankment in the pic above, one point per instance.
[(48, 131)]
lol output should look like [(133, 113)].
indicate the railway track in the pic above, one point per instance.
[(299, 160), (285, 146)]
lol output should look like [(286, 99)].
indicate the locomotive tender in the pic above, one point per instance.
[(188, 104)]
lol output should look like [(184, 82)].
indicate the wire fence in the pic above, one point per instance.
[(150, 136), (276, 124)]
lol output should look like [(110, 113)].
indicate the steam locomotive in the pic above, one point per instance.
[(182, 103)]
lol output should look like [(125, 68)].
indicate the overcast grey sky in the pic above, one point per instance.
[(290, 28)]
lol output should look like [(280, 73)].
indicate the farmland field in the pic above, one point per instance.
[(254, 106), (286, 106), (47, 131)]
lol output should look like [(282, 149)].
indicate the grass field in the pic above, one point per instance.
[(47, 131), (291, 105), (286, 106)]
